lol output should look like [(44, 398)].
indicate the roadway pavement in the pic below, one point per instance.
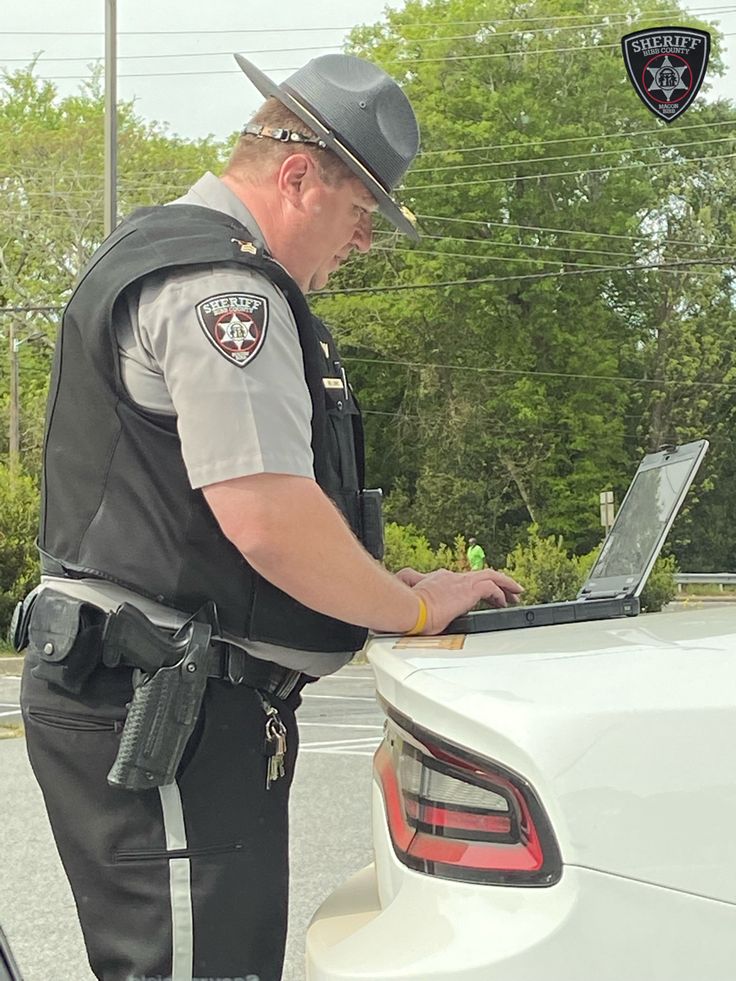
[(330, 818)]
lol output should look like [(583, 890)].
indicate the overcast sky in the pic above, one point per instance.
[(218, 98)]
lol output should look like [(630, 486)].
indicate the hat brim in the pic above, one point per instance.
[(386, 204)]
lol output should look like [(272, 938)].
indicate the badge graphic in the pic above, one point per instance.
[(235, 323), (666, 66)]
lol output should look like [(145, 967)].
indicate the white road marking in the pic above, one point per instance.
[(344, 698), (16, 712), (363, 741), (340, 725), (351, 677)]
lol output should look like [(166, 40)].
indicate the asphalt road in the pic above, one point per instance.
[(330, 820)]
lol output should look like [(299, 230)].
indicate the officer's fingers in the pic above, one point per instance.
[(491, 592), (410, 576), (506, 583)]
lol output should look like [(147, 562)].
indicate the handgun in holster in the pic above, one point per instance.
[(169, 685)]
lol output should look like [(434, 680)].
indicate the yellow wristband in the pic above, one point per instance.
[(421, 619)]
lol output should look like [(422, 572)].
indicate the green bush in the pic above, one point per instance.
[(661, 587), (407, 546), (548, 574), (18, 529), (545, 570)]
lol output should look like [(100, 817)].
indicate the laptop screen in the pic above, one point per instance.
[(649, 504)]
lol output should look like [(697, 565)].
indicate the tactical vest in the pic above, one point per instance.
[(116, 500)]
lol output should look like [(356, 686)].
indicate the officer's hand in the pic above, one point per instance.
[(450, 594), (410, 576)]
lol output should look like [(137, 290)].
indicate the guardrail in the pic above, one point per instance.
[(718, 578)]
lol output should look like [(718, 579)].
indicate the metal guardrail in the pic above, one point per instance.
[(720, 579)]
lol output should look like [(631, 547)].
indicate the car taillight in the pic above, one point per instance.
[(459, 816)]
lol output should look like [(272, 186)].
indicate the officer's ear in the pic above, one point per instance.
[(295, 176)]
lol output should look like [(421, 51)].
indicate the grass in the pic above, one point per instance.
[(706, 589), (6, 650), (11, 730)]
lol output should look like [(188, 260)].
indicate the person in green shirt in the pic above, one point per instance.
[(476, 555)]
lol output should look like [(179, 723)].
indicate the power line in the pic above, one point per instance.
[(598, 26), (414, 188), (562, 173), (543, 228), (569, 156), (401, 62), (498, 258), (442, 169), (572, 139), (675, 266), (555, 248), (483, 370), (532, 142), (297, 30)]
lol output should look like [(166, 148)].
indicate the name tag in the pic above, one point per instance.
[(333, 383)]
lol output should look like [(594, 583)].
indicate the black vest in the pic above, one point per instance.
[(116, 500)]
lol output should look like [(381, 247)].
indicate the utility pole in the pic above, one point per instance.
[(14, 442), (111, 116)]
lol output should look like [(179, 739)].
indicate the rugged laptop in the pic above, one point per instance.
[(616, 580)]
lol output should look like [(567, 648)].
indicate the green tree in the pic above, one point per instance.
[(18, 526), (522, 394)]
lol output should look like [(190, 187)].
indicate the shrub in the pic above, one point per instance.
[(544, 569), (18, 529), (661, 587), (407, 546)]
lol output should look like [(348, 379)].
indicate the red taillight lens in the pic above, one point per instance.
[(458, 816)]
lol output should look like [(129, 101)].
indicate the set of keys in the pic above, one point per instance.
[(274, 747)]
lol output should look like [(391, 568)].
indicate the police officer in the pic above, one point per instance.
[(204, 451)]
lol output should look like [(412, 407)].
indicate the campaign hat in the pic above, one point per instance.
[(360, 113)]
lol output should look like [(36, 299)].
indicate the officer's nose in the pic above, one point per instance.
[(363, 234)]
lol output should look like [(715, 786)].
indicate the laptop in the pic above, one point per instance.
[(615, 582)]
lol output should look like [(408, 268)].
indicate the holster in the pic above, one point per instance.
[(163, 714)]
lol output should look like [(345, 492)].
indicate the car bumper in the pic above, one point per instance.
[(589, 925)]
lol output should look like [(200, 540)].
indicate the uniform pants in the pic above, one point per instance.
[(181, 883)]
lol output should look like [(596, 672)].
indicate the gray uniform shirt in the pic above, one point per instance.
[(233, 419)]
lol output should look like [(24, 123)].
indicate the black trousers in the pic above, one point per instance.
[(183, 883)]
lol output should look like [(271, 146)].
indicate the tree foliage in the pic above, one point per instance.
[(587, 311)]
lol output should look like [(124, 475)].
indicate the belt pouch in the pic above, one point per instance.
[(64, 634)]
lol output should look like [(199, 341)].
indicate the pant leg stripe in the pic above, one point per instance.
[(180, 885)]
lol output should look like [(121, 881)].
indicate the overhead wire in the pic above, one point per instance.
[(413, 188), (491, 163), (430, 170), (477, 369), (597, 26), (403, 62), (496, 258), (572, 139), (569, 156), (564, 247), (579, 376), (710, 8), (670, 266), (544, 228)]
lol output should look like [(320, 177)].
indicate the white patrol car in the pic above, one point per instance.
[(549, 804)]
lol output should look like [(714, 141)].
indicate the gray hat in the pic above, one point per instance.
[(361, 114)]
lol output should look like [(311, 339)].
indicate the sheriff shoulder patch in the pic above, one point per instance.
[(235, 324)]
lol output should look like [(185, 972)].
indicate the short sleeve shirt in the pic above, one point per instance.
[(233, 378)]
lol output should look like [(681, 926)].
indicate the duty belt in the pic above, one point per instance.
[(83, 636)]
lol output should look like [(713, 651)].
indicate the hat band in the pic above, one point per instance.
[(282, 135)]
